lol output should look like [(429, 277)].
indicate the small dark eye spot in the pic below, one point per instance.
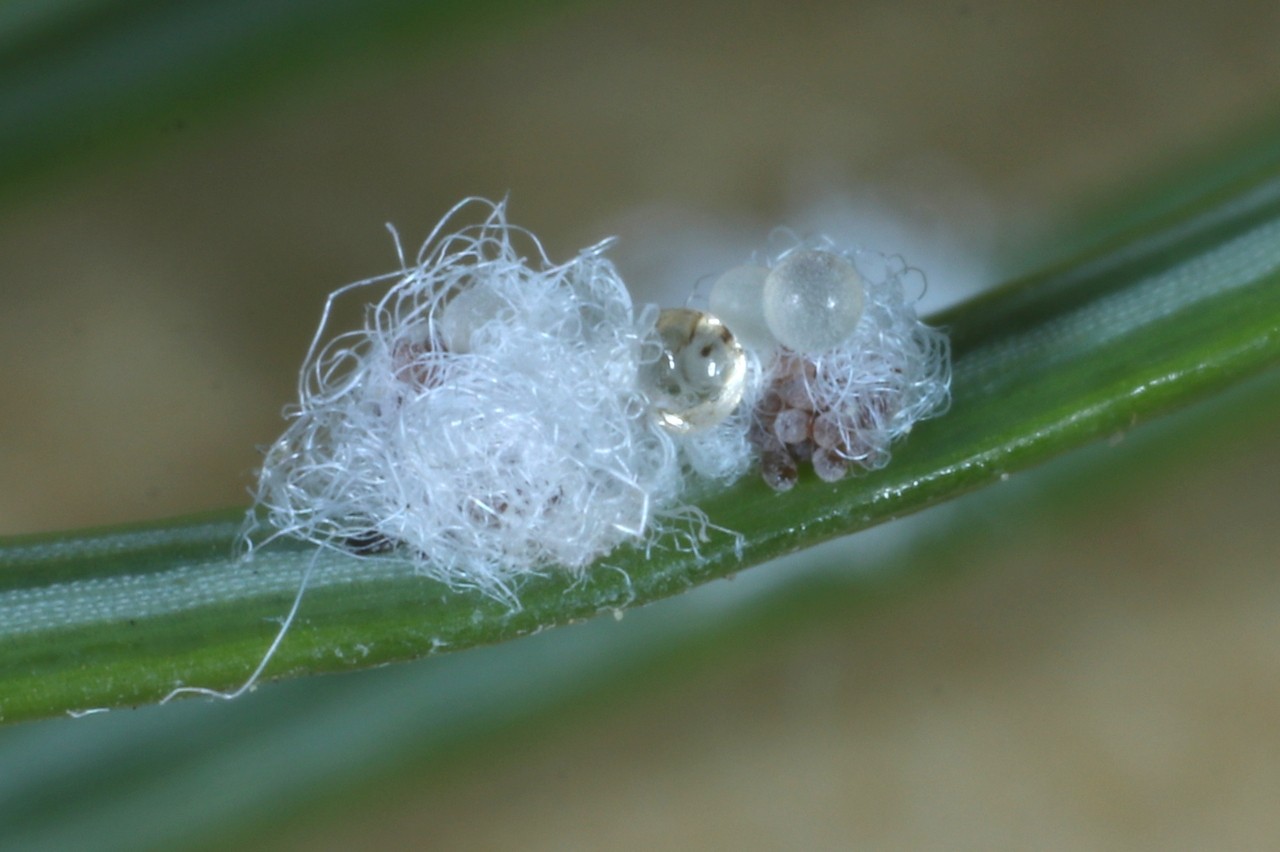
[(706, 351)]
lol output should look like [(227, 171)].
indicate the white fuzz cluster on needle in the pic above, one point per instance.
[(486, 418), (851, 368), (498, 415), (892, 372)]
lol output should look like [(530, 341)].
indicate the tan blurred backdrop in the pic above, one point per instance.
[(152, 319)]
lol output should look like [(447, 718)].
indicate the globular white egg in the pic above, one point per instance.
[(737, 298), (813, 300)]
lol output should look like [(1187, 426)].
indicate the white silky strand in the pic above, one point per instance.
[(252, 680)]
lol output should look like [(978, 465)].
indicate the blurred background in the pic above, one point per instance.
[(1094, 660)]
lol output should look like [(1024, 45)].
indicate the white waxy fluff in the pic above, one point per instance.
[(892, 372), (486, 418), (841, 407), (491, 420)]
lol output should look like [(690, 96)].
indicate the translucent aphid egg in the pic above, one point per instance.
[(737, 298), (699, 378), (466, 312), (813, 300)]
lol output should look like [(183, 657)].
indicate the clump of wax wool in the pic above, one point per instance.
[(487, 417), (851, 366)]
